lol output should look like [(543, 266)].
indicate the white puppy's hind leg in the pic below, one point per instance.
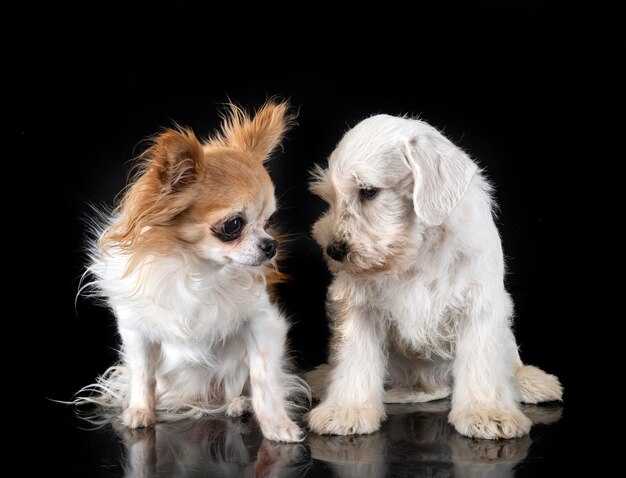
[(317, 379), (536, 386)]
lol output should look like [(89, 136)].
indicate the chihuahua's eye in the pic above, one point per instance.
[(367, 193), (231, 229), (270, 221)]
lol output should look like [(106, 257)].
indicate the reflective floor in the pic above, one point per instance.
[(416, 440)]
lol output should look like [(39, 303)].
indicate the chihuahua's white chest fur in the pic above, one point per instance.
[(183, 299)]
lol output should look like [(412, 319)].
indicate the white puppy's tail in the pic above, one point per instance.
[(536, 386)]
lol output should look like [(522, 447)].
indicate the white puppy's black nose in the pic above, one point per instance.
[(269, 247), (337, 250)]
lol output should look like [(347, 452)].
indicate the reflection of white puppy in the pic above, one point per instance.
[(417, 437), (418, 294)]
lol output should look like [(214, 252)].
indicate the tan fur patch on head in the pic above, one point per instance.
[(182, 181), (231, 178)]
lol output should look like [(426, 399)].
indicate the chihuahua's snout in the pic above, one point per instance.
[(337, 250), (269, 247)]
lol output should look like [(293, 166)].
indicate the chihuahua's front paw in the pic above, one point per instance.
[(282, 430), (332, 419), (138, 417)]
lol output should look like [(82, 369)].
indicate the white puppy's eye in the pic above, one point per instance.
[(367, 193)]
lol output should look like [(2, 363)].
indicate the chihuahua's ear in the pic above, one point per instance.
[(260, 134), (176, 158), (441, 174)]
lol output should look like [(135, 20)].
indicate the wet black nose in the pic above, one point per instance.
[(337, 250), (269, 247)]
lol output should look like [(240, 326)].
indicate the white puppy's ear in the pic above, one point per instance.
[(441, 175)]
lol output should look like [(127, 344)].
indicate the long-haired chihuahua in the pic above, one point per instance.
[(185, 262)]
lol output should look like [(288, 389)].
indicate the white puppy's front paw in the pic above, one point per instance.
[(138, 417), (283, 430), (238, 406), (490, 423), (332, 419)]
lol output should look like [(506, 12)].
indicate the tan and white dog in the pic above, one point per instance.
[(418, 305), (184, 262)]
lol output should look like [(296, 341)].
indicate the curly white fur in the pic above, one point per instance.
[(418, 303)]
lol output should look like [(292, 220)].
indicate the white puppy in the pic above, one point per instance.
[(418, 304)]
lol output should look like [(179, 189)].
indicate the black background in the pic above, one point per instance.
[(527, 89)]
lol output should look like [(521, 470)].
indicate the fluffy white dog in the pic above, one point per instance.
[(418, 305)]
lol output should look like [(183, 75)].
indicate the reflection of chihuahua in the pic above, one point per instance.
[(184, 262), (417, 437), (208, 447)]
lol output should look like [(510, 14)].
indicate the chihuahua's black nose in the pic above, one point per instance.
[(269, 247), (337, 250)]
